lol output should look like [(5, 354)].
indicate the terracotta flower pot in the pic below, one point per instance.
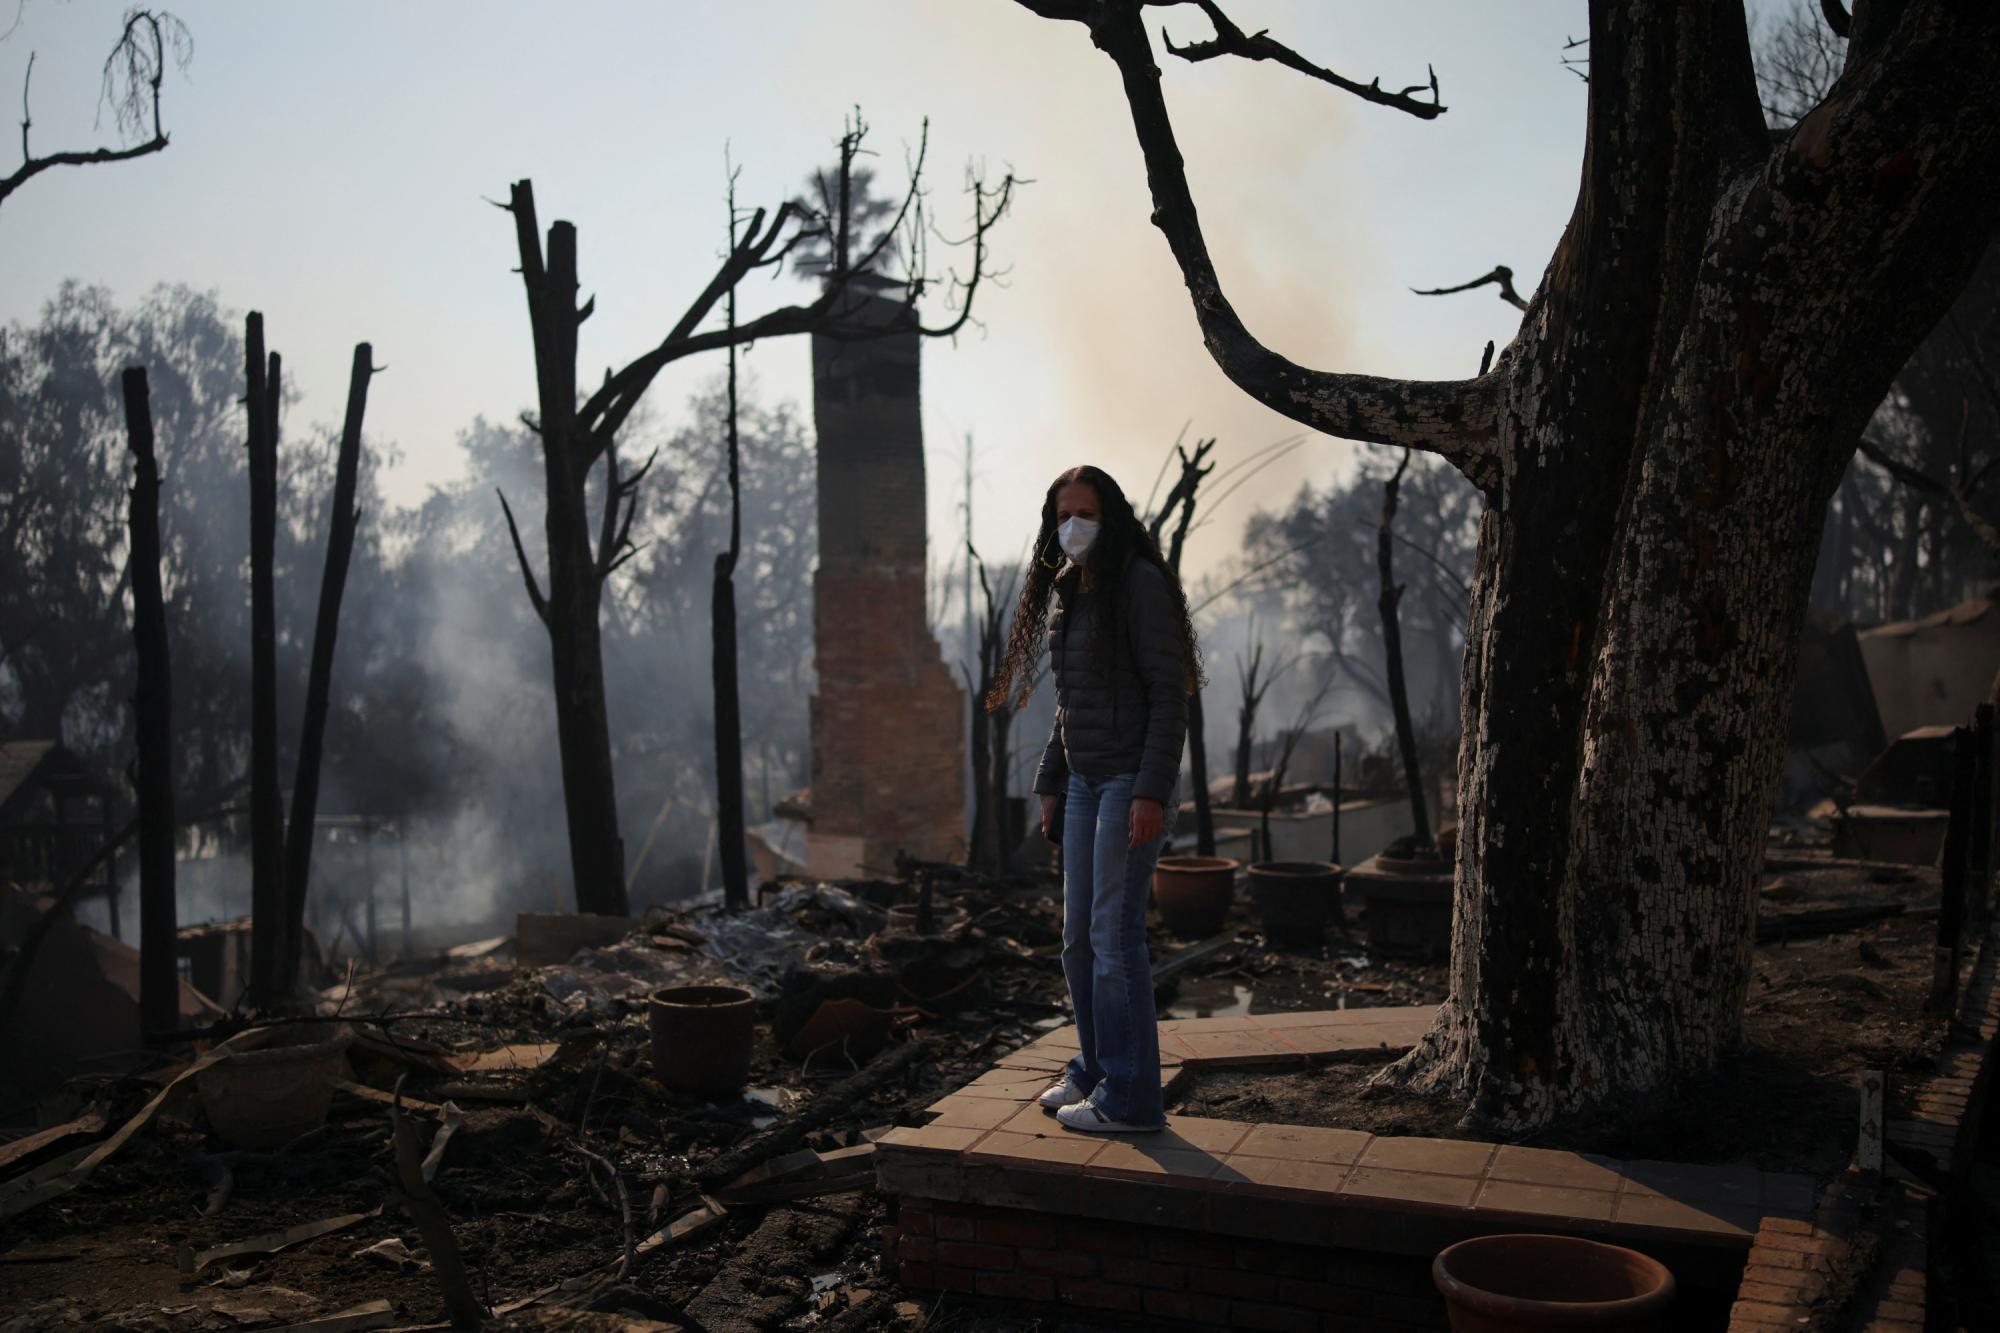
[(701, 1037), (1512, 1284), (1193, 893), (267, 1097), (1295, 899)]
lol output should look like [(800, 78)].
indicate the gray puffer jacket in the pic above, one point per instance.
[(1132, 719)]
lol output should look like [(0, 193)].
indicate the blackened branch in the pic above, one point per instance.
[(132, 76), (1836, 16), (616, 548), (765, 242), (535, 597), (1457, 419), (1501, 274), (1230, 40)]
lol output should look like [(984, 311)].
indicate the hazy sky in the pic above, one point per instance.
[(329, 165)]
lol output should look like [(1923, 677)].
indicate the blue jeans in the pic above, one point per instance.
[(1106, 885)]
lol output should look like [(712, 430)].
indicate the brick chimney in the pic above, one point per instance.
[(888, 722)]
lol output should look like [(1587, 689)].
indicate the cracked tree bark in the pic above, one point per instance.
[(1657, 447)]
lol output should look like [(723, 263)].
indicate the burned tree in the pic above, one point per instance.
[(1657, 445), (267, 811), (1181, 498), (132, 76), (341, 526), (1252, 684), (575, 437), (1392, 651), (153, 731)]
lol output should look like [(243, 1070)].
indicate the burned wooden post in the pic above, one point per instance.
[(1956, 873), (152, 706), (1334, 854), (267, 815), (1392, 647), (341, 528), (1980, 893)]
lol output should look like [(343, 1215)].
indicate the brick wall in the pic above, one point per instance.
[(888, 721), (1157, 1275), (1865, 1258)]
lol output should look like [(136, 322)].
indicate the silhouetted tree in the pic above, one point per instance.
[(575, 437), (342, 521)]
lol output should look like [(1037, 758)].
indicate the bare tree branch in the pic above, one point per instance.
[(1836, 16), (1458, 419), (540, 603), (132, 76), (1501, 275), (1230, 40)]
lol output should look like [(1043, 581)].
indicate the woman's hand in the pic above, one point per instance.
[(1149, 820), (1048, 816)]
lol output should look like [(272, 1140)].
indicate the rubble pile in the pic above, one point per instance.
[(496, 1144)]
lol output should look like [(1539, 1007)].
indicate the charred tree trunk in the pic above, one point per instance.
[(570, 610), (153, 727), (341, 527), (267, 811), (1657, 447), (1392, 648), (1246, 724), (984, 840), (1006, 834), (1192, 475), (1204, 813), (729, 829)]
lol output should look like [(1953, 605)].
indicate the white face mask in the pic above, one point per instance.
[(1076, 535)]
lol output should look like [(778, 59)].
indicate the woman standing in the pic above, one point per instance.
[(1122, 651)]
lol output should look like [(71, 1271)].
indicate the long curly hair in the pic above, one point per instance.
[(1121, 538)]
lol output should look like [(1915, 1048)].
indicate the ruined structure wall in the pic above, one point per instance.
[(888, 721)]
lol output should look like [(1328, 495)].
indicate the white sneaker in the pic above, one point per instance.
[(1085, 1116), (1063, 1092)]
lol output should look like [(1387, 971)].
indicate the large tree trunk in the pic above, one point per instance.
[(267, 810), (1656, 447), (152, 704), (341, 526), (1788, 299)]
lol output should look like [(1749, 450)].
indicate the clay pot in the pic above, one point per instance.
[(1193, 893), (267, 1097), (701, 1037), (1512, 1284), (1295, 899)]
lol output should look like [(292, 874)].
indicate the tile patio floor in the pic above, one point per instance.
[(989, 1143)]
